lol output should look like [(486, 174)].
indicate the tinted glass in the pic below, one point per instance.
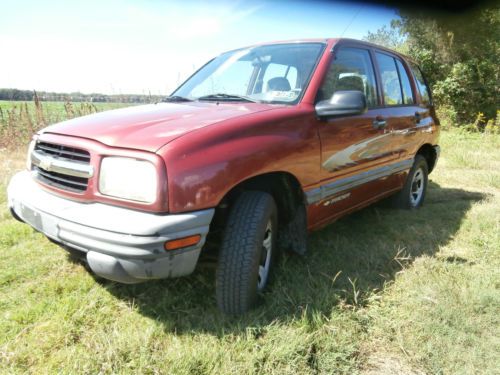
[(390, 79), (351, 69), (422, 87), (405, 83)]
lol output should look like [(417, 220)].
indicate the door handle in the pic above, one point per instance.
[(407, 132), (379, 123), (417, 117)]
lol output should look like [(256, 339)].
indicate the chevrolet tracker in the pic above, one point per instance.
[(258, 147)]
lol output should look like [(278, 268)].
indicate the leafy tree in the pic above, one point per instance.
[(458, 53), (388, 37)]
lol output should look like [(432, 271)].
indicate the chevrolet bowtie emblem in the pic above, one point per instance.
[(45, 164)]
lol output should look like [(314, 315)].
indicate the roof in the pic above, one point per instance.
[(330, 41)]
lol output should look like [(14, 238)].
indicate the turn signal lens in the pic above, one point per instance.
[(182, 242)]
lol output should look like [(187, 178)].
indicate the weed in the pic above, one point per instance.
[(20, 120)]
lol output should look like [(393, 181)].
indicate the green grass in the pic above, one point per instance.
[(381, 291)]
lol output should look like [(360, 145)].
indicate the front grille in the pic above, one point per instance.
[(65, 152), (62, 181), (73, 156)]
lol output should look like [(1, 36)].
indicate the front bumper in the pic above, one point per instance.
[(120, 244)]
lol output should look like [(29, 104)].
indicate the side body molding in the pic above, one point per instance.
[(318, 194)]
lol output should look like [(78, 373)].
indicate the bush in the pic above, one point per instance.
[(468, 90), (447, 116), (480, 122), (480, 125), (493, 126)]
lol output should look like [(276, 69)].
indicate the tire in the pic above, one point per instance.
[(413, 193), (247, 253)]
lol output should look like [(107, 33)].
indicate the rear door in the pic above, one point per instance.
[(399, 104)]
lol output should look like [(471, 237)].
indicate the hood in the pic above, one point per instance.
[(149, 127)]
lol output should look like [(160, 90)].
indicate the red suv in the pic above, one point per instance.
[(258, 147)]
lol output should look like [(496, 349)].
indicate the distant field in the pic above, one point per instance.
[(382, 291), (19, 120)]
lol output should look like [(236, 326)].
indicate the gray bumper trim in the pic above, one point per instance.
[(121, 244), (342, 184)]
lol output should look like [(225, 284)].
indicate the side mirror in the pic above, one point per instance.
[(342, 103)]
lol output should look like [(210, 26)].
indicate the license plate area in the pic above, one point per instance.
[(32, 217)]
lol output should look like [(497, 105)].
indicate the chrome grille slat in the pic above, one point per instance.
[(51, 182), (52, 176), (64, 167), (64, 151), (61, 153)]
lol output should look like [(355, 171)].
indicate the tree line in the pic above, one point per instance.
[(29, 95)]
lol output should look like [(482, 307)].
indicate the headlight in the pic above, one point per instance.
[(128, 178), (30, 150)]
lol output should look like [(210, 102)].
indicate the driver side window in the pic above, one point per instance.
[(351, 69)]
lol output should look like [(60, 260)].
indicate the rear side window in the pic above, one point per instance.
[(351, 69), (405, 84), (425, 94), (391, 86)]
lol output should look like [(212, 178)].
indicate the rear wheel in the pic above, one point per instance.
[(413, 193), (248, 251)]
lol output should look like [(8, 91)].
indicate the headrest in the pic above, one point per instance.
[(278, 84), (350, 83)]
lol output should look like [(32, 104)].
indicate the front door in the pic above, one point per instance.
[(358, 159)]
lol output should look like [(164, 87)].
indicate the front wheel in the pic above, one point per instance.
[(413, 193), (248, 251)]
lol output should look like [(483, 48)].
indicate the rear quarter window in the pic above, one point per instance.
[(405, 84), (422, 87)]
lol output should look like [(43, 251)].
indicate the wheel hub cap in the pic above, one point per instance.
[(265, 259), (417, 187)]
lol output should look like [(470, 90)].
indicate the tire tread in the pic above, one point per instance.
[(239, 249)]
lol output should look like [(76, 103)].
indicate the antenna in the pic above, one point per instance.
[(352, 20)]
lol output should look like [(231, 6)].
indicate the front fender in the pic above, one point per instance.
[(204, 165)]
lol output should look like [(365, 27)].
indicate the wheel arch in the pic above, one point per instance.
[(284, 187), (290, 201)]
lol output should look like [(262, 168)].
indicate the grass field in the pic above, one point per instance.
[(380, 292)]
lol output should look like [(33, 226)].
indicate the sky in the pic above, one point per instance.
[(151, 46)]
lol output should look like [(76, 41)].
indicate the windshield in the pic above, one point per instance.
[(272, 74)]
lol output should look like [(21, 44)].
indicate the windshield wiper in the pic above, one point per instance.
[(176, 98), (227, 98)]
